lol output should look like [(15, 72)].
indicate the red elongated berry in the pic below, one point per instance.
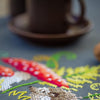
[(5, 71), (38, 70)]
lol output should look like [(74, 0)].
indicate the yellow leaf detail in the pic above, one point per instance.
[(21, 94), (61, 71)]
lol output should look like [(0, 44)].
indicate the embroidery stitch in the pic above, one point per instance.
[(70, 89), (6, 71), (20, 86), (8, 81), (92, 96), (79, 74), (46, 83), (58, 55), (21, 94), (61, 71), (41, 58), (40, 71), (46, 58), (1, 81), (77, 79), (95, 86)]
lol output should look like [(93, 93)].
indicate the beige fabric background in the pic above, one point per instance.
[(4, 9)]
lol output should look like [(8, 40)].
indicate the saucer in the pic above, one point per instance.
[(19, 26)]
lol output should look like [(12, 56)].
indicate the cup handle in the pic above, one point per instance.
[(80, 19)]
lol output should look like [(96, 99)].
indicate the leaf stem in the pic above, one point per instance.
[(20, 86), (93, 95)]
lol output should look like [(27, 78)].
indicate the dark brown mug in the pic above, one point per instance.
[(51, 16), (17, 7)]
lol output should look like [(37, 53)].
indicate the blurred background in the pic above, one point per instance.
[(4, 11)]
